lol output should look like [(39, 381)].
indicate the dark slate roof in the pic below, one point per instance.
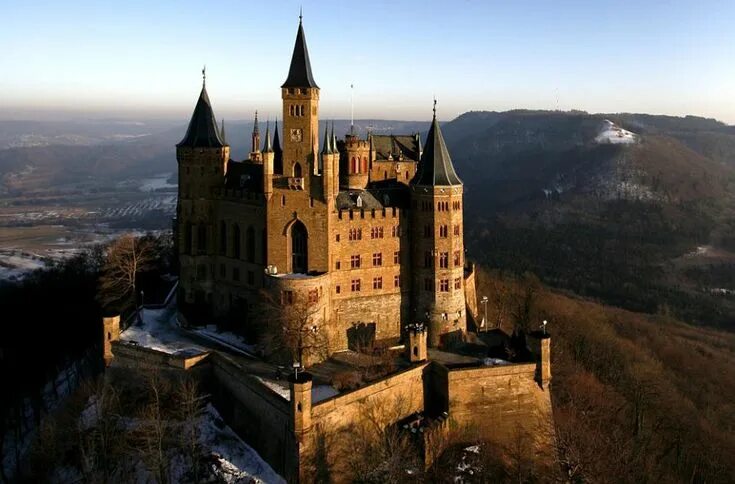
[(435, 167), (244, 176), (379, 195), (385, 145), (202, 131), (299, 74)]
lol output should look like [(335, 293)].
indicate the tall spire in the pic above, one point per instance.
[(334, 140), (202, 131), (327, 148), (222, 131), (256, 135), (299, 73), (435, 167), (278, 152), (268, 146)]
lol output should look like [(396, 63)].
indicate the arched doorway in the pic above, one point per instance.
[(299, 248)]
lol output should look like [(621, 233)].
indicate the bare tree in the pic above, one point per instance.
[(126, 258), (152, 437), (189, 410), (291, 327)]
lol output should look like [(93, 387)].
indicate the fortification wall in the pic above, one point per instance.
[(258, 414), (504, 404)]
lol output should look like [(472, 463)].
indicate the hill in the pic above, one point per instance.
[(606, 205)]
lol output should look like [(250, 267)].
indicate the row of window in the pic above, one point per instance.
[(356, 284), (228, 239), (443, 259), (356, 260), (202, 274), (443, 230), (375, 233), (302, 90), (443, 284), (296, 109), (442, 206), (313, 296)]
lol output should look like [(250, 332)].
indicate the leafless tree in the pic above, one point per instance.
[(126, 258), (291, 328), (152, 437), (189, 410)]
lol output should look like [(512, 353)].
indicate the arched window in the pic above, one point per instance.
[(297, 170), (364, 165), (236, 241), (250, 244), (187, 239), (202, 239), (354, 165), (299, 248), (222, 238)]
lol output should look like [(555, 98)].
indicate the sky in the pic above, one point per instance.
[(136, 58)]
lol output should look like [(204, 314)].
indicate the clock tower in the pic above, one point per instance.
[(300, 96)]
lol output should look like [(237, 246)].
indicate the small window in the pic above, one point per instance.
[(355, 262), (337, 265), (378, 259), (444, 285), (377, 283), (355, 285), (458, 283), (457, 258), (283, 200), (337, 289), (337, 237), (397, 257), (397, 281), (444, 260)]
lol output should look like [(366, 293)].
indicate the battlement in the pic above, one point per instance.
[(390, 213)]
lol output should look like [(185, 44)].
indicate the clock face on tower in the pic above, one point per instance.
[(296, 134)]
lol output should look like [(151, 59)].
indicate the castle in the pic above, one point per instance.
[(368, 234), (369, 230)]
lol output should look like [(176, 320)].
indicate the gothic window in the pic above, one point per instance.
[(355, 285), (457, 258), (297, 170), (354, 165), (236, 241), (376, 233), (378, 259), (355, 262), (222, 238), (377, 283), (444, 260), (364, 165), (443, 231), (250, 244), (444, 285)]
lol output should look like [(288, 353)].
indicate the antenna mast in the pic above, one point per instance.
[(352, 107)]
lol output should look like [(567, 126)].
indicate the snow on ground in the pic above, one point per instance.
[(494, 362), (225, 337), (322, 392), (613, 134), (14, 265), (278, 386), (159, 331), (156, 182), (238, 462)]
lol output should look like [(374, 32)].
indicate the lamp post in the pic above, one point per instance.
[(484, 319)]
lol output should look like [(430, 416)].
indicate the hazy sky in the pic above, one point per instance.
[(672, 57)]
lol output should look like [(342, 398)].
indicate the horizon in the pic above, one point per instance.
[(677, 59)]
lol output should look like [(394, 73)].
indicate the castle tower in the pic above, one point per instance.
[(202, 157), (438, 245), (255, 150), (330, 166), (300, 96), (416, 349), (300, 393), (357, 152)]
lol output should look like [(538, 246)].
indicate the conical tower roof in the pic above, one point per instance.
[(268, 146), (299, 74), (202, 131), (435, 167)]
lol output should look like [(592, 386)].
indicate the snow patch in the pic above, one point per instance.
[(159, 331), (614, 134)]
